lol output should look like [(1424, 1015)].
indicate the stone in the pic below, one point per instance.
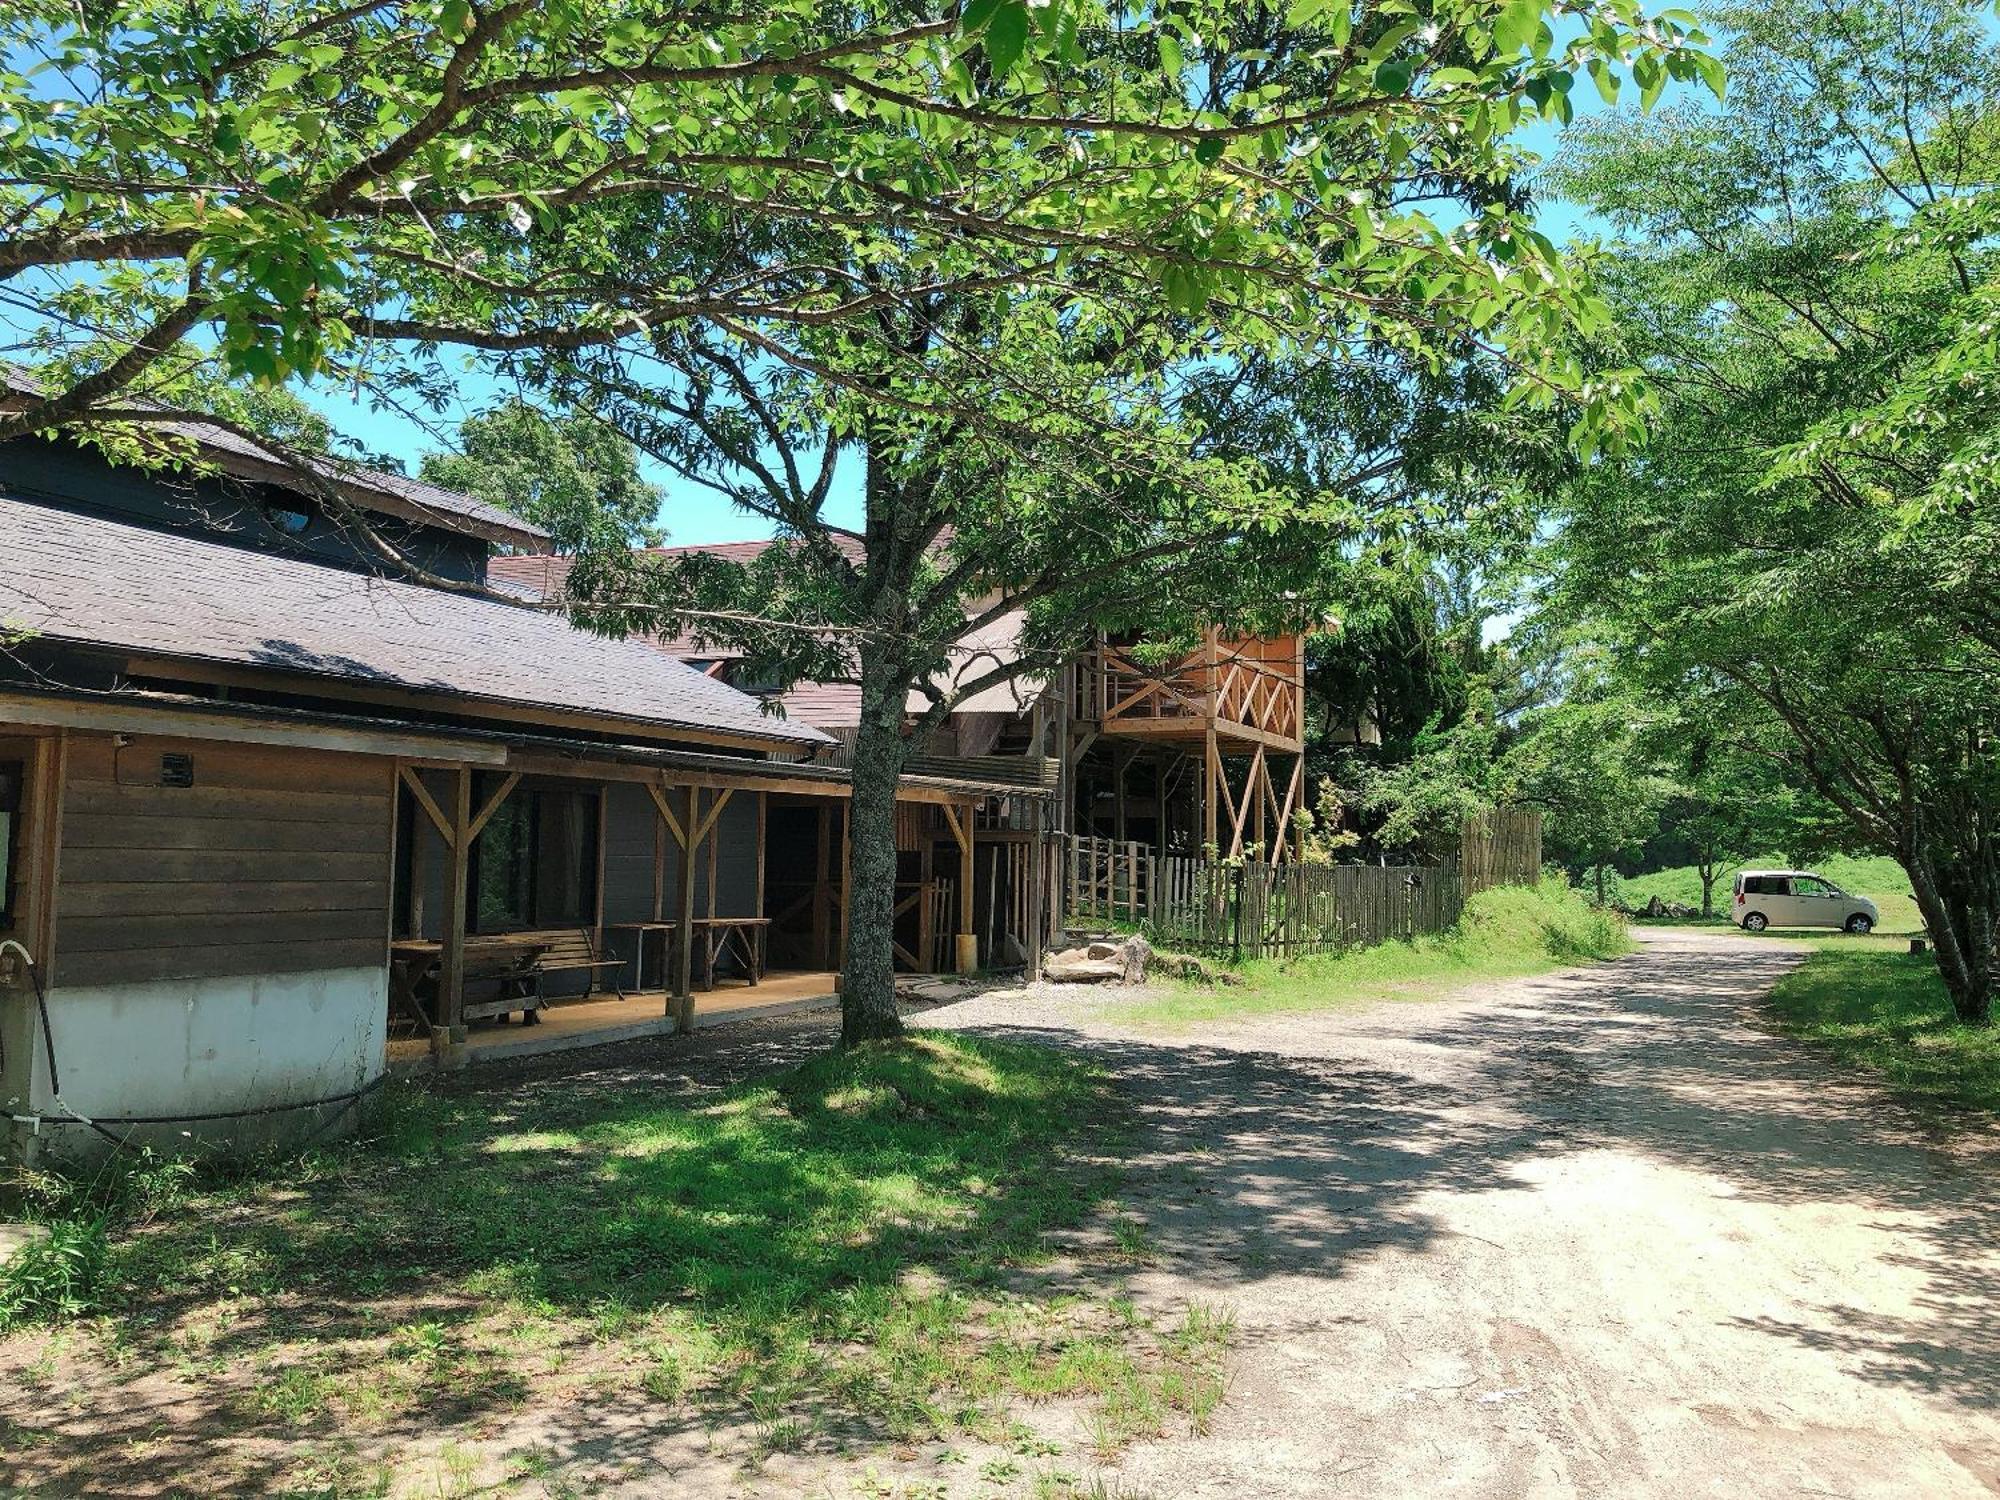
[(1100, 962)]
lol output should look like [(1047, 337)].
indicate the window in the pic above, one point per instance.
[(287, 519), (12, 775), (535, 862), (1808, 885), (1766, 885)]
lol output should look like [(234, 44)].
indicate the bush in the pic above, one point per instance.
[(1550, 919)]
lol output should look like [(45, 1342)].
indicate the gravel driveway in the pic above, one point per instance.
[(1590, 1234)]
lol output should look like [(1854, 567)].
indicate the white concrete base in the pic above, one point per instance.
[(176, 1049)]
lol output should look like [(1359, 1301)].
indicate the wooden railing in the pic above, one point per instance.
[(1255, 910), (1254, 682)]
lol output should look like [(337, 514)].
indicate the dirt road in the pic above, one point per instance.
[(1596, 1234)]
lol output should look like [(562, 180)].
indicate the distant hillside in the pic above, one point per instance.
[(1877, 877)]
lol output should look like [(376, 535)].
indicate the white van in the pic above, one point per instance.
[(1798, 898)]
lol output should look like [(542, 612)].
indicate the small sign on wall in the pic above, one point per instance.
[(176, 769)]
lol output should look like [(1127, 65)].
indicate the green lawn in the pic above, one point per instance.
[(1877, 877), (845, 1245), (1505, 933), (1887, 1011)]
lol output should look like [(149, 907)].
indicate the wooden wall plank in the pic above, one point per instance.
[(233, 930), (148, 965), (162, 830), (274, 861), (112, 898)]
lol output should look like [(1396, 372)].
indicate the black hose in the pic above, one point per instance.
[(346, 1101)]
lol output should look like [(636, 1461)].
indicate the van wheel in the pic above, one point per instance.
[(1755, 922), (1860, 925)]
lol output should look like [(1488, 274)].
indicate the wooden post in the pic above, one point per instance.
[(926, 873), (822, 933), (1121, 762), (659, 867), (597, 914), (961, 820), (1260, 777), (1211, 796), (451, 974), (1038, 858), (419, 873), (681, 1003), (763, 825), (846, 880)]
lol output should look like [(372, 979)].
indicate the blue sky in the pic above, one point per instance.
[(693, 515)]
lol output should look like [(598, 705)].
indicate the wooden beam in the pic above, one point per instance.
[(659, 796), (512, 715), (113, 716), (709, 817), (427, 802), (481, 818)]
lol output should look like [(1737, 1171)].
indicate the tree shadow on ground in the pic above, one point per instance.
[(1664, 1053)]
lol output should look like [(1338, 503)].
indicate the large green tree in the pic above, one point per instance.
[(565, 471), (975, 251), (1806, 551)]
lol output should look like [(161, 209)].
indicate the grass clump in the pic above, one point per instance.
[(1888, 1012), (1505, 932)]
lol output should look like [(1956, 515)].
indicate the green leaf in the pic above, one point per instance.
[(976, 14), (1208, 150), (1516, 25), (1005, 35), (1170, 55), (1186, 287), (1393, 77)]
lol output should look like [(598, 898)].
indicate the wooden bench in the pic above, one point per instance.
[(575, 948)]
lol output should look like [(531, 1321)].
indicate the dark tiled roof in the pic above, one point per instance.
[(372, 489), (95, 582), (830, 705)]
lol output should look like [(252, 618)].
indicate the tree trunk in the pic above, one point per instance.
[(1963, 929), (1707, 873), (868, 975)]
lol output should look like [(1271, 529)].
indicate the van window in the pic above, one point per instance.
[(1766, 885)]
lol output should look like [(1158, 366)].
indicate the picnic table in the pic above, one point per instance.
[(715, 937), (506, 957)]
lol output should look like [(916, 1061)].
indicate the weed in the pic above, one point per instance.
[(57, 1278)]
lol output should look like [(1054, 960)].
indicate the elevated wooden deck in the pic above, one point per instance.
[(1246, 690)]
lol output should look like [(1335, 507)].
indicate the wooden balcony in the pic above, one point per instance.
[(1246, 689)]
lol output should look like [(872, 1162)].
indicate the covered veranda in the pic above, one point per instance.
[(583, 893)]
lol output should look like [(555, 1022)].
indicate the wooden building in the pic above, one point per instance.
[(275, 819)]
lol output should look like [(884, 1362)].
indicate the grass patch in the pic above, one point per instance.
[(1888, 1012), (838, 1245), (1505, 933), (1877, 877)]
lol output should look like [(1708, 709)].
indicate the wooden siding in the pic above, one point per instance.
[(274, 861)]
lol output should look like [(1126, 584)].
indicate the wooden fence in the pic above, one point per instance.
[(1252, 910)]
